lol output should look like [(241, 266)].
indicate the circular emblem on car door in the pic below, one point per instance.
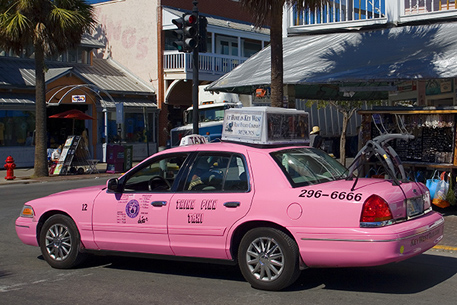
[(132, 208)]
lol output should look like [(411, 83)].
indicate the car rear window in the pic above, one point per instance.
[(306, 166)]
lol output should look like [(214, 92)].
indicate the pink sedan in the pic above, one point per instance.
[(272, 210)]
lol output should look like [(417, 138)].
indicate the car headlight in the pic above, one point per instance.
[(27, 211)]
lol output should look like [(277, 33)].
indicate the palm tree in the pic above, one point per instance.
[(50, 27), (269, 12)]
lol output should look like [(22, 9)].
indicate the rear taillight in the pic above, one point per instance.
[(375, 212)]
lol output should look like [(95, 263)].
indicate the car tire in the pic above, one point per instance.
[(60, 242), (268, 259)]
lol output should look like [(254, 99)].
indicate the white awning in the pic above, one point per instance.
[(128, 103), (11, 100), (320, 64)]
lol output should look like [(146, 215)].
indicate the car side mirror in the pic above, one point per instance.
[(113, 185)]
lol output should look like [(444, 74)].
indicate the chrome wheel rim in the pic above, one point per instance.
[(265, 259), (58, 242)]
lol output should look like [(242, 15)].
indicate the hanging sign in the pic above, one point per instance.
[(78, 98)]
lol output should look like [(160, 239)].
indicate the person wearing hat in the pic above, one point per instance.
[(316, 140)]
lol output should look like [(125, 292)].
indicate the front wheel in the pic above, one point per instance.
[(60, 242), (268, 259)]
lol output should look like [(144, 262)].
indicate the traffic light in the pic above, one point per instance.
[(186, 33), (190, 30), (179, 34), (202, 34)]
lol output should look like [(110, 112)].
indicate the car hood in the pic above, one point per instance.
[(87, 191)]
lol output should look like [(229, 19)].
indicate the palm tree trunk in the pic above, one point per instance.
[(277, 90), (41, 158)]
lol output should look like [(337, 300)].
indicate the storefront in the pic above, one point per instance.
[(83, 88), (136, 127), (17, 125), (425, 109)]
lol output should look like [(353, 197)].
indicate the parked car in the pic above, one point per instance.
[(273, 210)]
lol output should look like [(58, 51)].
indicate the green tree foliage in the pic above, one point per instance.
[(347, 109), (50, 27)]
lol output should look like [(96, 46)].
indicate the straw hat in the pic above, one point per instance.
[(315, 130)]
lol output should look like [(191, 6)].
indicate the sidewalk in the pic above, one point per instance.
[(23, 175)]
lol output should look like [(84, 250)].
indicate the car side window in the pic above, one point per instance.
[(236, 179), (156, 176), (216, 172)]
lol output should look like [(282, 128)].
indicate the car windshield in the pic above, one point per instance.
[(207, 114), (305, 166)]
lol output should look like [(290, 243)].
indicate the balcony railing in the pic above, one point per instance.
[(341, 11), (413, 7), (346, 13), (216, 64)]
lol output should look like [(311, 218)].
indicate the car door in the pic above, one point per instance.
[(135, 219), (214, 194)]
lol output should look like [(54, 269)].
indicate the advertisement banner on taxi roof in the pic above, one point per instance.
[(266, 125)]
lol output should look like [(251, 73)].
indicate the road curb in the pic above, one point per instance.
[(446, 248)]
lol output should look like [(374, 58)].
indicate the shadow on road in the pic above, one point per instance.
[(193, 269), (411, 276)]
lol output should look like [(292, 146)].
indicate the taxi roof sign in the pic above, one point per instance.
[(266, 126), (193, 139)]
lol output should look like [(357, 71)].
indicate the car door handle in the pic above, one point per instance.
[(232, 204), (158, 203)]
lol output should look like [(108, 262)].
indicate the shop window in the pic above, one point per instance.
[(441, 102), (134, 128), (169, 39), (250, 47), (227, 45), (112, 128), (433, 141), (224, 47), (16, 128), (72, 56)]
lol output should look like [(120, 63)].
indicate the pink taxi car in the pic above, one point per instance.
[(272, 210)]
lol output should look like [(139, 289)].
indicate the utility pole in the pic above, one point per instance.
[(195, 78), (190, 36)]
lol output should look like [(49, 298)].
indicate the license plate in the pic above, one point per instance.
[(415, 206), (426, 237)]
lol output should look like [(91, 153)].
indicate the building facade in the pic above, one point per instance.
[(75, 80), (422, 95), (139, 35), (342, 16)]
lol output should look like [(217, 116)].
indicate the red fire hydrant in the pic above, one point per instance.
[(10, 166)]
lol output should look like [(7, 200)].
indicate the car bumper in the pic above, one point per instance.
[(345, 247), (26, 230)]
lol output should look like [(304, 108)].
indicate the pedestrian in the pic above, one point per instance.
[(317, 141)]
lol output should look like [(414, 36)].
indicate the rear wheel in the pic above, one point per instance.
[(268, 259), (60, 242)]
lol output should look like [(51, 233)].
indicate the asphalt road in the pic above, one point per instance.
[(25, 278)]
